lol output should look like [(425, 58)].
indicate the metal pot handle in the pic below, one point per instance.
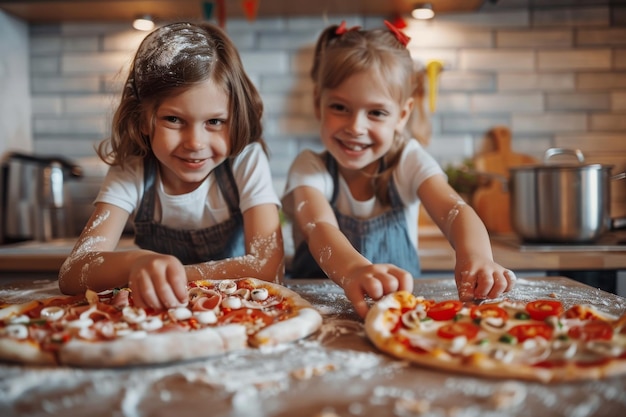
[(561, 151)]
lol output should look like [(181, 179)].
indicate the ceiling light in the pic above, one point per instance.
[(144, 23), (423, 11)]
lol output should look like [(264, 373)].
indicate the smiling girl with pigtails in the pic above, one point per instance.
[(188, 166), (355, 205)]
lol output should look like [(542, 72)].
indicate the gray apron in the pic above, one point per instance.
[(223, 240), (381, 239)]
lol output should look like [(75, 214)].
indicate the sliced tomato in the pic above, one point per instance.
[(246, 315), (488, 310), (593, 330), (541, 309), (444, 310), (527, 331), (452, 330)]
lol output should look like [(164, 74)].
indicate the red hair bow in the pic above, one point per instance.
[(343, 29), (400, 36)]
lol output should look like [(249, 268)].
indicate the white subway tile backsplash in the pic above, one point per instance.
[(601, 37), (45, 65), (578, 101), (47, 105), (449, 103), (45, 45), (81, 84), (475, 124), (280, 42), (495, 19), (466, 81), (585, 59), (126, 41), (448, 37), (608, 122), (70, 126), (520, 81), (618, 100), (606, 81), (497, 59), (549, 122), (569, 16), (81, 44), (265, 62), (619, 58), (507, 103), (95, 63), (91, 104), (534, 39), (70, 148)]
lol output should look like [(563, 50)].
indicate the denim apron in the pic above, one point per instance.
[(223, 240), (381, 239)]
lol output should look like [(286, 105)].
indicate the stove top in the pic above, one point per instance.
[(609, 242)]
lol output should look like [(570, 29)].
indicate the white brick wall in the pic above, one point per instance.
[(555, 76)]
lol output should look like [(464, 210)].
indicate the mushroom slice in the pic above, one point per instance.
[(134, 314), (227, 286), (260, 294), (232, 302), (52, 313)]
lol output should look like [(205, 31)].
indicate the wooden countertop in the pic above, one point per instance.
[(436, 255), (334, 372)]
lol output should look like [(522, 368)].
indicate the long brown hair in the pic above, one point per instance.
[(170, 60), (338, 56)]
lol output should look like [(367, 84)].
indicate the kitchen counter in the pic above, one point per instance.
[(335, 372), (436, 255)]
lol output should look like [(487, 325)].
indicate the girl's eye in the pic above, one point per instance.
[(337, 107), (378, 113), (215, 122), (171, 119)]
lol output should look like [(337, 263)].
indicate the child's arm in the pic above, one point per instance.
[(337, 257), (157, 280), (264, 258), (476, 273)]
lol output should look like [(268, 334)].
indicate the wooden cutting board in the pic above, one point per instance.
[(491, 201)]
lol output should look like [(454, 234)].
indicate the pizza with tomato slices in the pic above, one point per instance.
[(106, 329), (538, 340)]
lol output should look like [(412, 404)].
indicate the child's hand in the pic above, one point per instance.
[(482, 279), (158, 281), (374, 281)]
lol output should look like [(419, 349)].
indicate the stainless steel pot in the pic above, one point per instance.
[(561, 202)]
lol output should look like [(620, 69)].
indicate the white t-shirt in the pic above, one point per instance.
[(415, 166), (205, 206)]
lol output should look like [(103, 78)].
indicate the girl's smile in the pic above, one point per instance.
[(360, 120)]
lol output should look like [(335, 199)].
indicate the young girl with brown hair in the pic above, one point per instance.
[(188, 163), (355, 206)]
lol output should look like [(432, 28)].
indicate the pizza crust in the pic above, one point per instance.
[(305, 323), (12, 350), (154, 348)]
